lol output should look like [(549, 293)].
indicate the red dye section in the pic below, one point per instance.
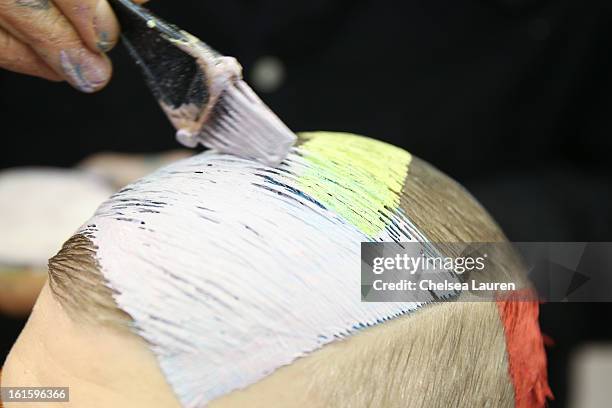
[(525, 346)]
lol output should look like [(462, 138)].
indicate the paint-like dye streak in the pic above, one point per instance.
[(240, 269), (359, 186), (74, 71), (34, 4), (104, 43), (82, 69)]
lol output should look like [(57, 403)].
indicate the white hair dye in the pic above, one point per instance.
[(231, 269)]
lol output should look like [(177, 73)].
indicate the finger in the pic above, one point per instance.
[(18, 57), (46, 30), (94, 20)]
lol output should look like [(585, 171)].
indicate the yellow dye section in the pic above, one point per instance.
[(359, 178)]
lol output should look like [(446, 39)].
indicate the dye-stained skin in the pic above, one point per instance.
[(82, 72), (35, 4), (59, 40)]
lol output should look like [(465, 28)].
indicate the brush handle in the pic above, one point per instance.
[(131, 14), (201, 92), (172, 74)]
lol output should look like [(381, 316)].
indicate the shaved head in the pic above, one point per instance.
[(242, 281)]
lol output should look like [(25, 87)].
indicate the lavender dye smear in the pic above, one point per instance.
[(231, 269)]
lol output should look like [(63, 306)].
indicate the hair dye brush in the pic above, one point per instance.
[(200, 90)]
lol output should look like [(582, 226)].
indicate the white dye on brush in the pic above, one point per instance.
[(234, 120), (231, 269), (242, 125)]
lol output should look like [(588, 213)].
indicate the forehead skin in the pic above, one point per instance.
[(103, 366)]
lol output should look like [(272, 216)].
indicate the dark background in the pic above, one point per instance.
[(513, 98)]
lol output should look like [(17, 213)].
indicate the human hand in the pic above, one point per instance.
[(59, 40)]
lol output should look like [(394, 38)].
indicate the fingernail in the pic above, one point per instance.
[(85, 70), (106, 26)]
